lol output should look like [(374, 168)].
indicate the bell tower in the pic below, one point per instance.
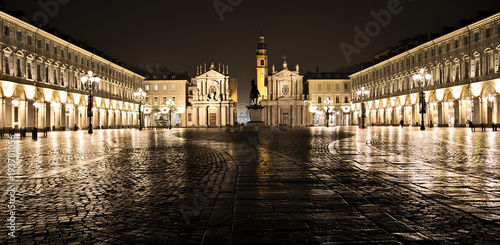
[(262, 68)]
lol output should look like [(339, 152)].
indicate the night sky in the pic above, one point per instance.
[(180, 35)]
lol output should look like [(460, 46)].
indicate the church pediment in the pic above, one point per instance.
[(212, 74), (286, 73)]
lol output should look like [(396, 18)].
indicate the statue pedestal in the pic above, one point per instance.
[(255, 116)]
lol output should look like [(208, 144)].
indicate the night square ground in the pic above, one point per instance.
[(334, 185)]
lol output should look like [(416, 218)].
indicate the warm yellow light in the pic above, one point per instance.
[(63, 97), (456, 92), (30, 92), (15, 102), (8, 90), (440, 94), (36, 105), (313, 108), (48, 95), (181, 109), (476, 90)]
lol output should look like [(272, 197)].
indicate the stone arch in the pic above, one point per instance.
[(466, 94), (19, 93), (488, 90), (448, 96), (432, 97)]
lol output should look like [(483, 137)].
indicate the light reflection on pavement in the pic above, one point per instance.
[(451, 161)]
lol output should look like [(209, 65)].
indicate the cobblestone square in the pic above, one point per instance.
[(384, 185)]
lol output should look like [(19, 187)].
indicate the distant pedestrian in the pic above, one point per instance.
[(401, 123), (483, 127), (471, 125), (494, 127)]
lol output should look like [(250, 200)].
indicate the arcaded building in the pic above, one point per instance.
[(40, 82), (465, 82)]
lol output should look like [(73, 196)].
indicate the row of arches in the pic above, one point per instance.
[(478, 103)]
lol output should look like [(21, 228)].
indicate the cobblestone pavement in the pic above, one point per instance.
[(383, 185)]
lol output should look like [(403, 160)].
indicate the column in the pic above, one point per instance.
[(23, 114), (63, 117), (476, 110), (441, 114), (496, 109), (415, 117), (2, 113), (484, 109)]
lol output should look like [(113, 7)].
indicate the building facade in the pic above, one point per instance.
[(165, 103), (465, 83), (329, 99), (282, 94), (213, 98), (40, 82)]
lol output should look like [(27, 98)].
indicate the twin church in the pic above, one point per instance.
[(210, 98)]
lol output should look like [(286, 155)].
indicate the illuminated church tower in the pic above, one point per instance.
[(262, 68)]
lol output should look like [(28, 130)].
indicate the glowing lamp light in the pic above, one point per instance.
[(15, 102), (8, 90), (76, 99), (36, 105), (491, 99), (469, 102), (450, 103), (440, 94), (47, 95), (30, 92), (476, 90), (63, 97), (456, 93), (313, 108), (54, 104), (181, 109)]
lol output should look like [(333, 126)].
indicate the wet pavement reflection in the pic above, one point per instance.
[(302, 186)]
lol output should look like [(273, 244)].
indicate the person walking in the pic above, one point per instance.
[(471, 125)]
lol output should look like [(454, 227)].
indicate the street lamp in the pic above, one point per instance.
[(89, 82), (361, 95), (171, 106), (422, 77), (140, 95), (328, 107)]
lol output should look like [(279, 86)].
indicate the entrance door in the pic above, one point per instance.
[(286, 118), (213, 119)]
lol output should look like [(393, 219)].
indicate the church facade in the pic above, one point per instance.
[(212, 98), (282, 92)]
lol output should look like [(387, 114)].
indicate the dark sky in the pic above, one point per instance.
[(180, 35)]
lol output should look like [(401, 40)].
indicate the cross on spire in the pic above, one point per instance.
[(284, 58)]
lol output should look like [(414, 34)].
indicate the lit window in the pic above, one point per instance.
[(156, 100), (164, 87), (146, 87), (156, 87), (173, 87)]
